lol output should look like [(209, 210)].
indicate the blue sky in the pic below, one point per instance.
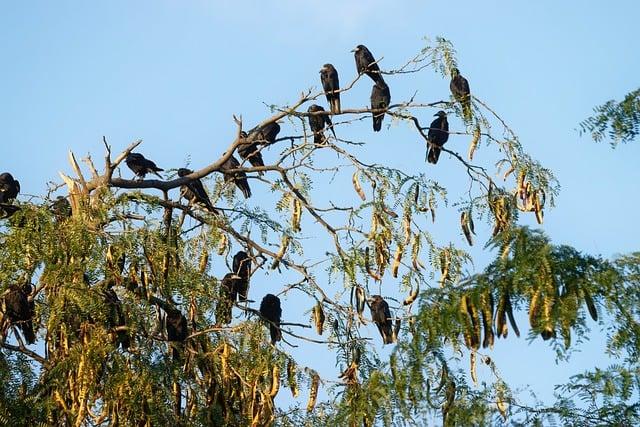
[(174, 72)]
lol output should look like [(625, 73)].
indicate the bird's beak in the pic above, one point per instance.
[(354, 50), (435, 114)]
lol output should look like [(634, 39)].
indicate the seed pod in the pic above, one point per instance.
[(415, 250), (416, 195), (508, 172), (476, 332), (275, 381), (397, 257), (445, 262), (537, 208), (222, 244), (367, 266), (360, 301), (472, 369), (284, 244), (534, 310), (466, 322), (318, 317), (465, 227), (474, 142), (413, 295), (374, 225), (291, 377), (501, 317), (406, 226), (313, 392), (296, 214), (486, 309), (204, 261), (432, 208), (512, 320), (356, 185), (548, 330), (590, 304), (502, 404)]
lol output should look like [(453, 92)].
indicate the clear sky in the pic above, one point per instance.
[(174, 72)]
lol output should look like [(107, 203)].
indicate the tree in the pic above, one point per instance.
[(619, 121), (131, 322)]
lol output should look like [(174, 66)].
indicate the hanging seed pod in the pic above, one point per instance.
[(291, 377), (318, 317), (313, 392), (472, 369), (534, 310), (397, 257), (590, 304), (432, 208), (406, 226), (512, 320), (356, 185), (284, 244), (222, 244), (537, 208), (502, 403), (486, 310), (466, 322), (360, 301), (374, 225), (476, 331), (275, 381), (416, 195), (475, 138), (445, 263), (507, 173), (367, 266), (464, 223), (413, 295), (204, 261), (296, 214), (501, 316), (415, 250)]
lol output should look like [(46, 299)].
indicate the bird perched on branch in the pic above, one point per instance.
[(381, 316), (9, 188), (194, 191), (250, 150), (238, 178), (318, 123), (19, 310), (177, 330), (242, 270), (365, 63), (141, 166), (60, 208), (460, 89), (380, 99), (266, 134), (331, 86), (227, 296), (270, 310), (437, 136), (116, 317)]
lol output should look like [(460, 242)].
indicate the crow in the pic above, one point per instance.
[(460, 89), (9, 188), (242, 270), (60, 208), (365, 63), (382, 318), (437, 136), (20, 311), (267, 134), (331, 86), (177, 331), (141, 166), (227, 296), (318, 122), (380, 99), (239, 178), (270, 310), (250, 151), (194, 191), (116, 317)]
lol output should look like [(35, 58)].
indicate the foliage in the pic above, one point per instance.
[(619, 121)]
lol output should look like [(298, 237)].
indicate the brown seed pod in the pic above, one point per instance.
[(445, 263), (275, 381), (413, 295), (467, 331), (590, 304), (222, 244), (318, 317), (501, 316), (313, 392), (296, 214), (464, 223), (397, 257), (534, 310), (507, 173), (360, 301), (284, 244), (475, 138), (509, 311), (486, 309), (291, 377), (476, 331), (367, 266), (432, 208), (356, 185), (472, 369), (204, 261), (415, 250)]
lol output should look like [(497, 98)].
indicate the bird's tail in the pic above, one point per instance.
[(275, 333), (466, 110), (434, 155), (377, 122), (155, 172), (27, 331), (335, 104), (244, 187), (319, 138)]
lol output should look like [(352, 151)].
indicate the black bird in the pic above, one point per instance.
[(250, 151), (365, 63), (141, 166), (116, 317), (382, 318), (194, 191), (19, 310), (9, 188), (227, 296), (270, 310), (242, 269), (318, 122), (177, 330), (60, 208), (239, 178), (266, 134), (460, 89), (331, 86), (437, 136), (380, 99)]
